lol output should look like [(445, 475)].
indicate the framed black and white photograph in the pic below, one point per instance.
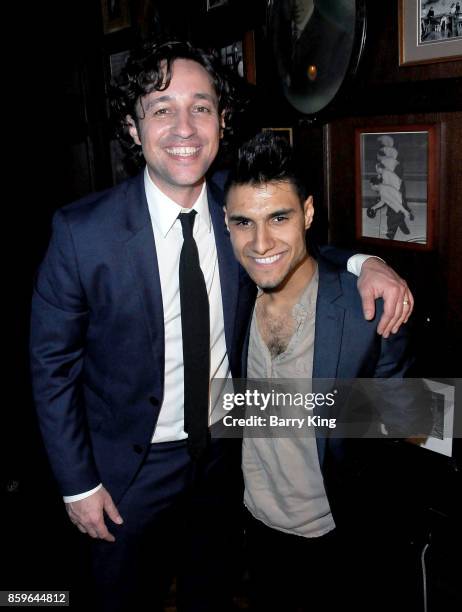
[(117, 62), (283, 132), (396, 185), (430, 31), (441, 437), (232, 56), (211, 4), (239, 56)]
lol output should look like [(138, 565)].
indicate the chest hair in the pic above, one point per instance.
[(276, 328)]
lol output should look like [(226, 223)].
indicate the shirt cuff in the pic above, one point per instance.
[(355, 263), (73, 498)]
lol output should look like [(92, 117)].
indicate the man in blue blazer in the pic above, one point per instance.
[(107, 351), (301, 493)]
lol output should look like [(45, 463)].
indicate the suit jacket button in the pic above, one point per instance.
[(154, 401), (138, 449)]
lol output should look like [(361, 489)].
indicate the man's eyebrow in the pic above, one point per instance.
[(280, 211), (238, 218), (154, 101), (274, 213), (205, 96)]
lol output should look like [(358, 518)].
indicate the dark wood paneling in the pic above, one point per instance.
[(380, 63)]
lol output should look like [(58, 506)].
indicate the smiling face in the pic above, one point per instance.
[(179, 131), (267, 224)]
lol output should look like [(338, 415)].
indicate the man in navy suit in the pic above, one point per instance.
[(307, 324), (106, 347)]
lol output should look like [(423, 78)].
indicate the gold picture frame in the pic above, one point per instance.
[(427, 36), (285, 132)]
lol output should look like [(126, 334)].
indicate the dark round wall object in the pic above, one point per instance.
[(316, 45)]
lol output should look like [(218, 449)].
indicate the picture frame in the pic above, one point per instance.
[(429, 33), (212, 4), (116, 15), (117, 62), (115, 59), (239, 56), (285, 132), (441, 438), (396, 175)]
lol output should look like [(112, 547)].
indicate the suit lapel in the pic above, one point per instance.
[(228, 266), (329, 324), (139, 241), (330, 314)]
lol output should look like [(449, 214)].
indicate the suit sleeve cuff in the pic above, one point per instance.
[(355, 263), (73, 498)]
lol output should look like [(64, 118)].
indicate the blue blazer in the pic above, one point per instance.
[(97, 335)]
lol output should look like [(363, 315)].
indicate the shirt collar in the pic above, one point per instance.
[(311, 290), (164, 211)]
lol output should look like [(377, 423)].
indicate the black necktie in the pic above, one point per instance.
[(196, 340)]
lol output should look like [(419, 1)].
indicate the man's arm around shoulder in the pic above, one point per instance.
[(376, 280)]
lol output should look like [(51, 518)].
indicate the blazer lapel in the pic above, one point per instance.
[(141, 250), (228, 266), (329, 324), (330, 314)]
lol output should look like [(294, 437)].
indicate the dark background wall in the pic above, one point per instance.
[(57, 148)]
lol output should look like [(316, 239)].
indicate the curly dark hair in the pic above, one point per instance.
[(267, 158), (149, 68)]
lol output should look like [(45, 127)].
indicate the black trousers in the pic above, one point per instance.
[(182, 518), (362, 567), (291, 573)]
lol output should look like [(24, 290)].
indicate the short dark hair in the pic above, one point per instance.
[(149, 68), (265, 159)]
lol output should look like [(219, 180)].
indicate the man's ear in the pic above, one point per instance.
[(222, 123), (132, 129), (308, 211)]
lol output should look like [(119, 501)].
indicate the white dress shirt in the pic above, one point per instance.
[(168, 236)]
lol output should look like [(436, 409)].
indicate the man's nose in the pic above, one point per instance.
[(184, 124), (262, 241)]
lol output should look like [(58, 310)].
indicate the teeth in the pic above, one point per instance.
[(268, 260), (183, 151)]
